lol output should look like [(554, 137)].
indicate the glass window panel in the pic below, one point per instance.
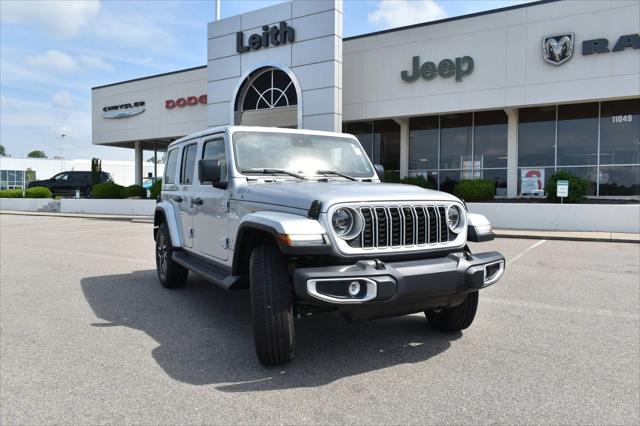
[(536, 136), (364, 132), (12, 176), (541, 173), (386, 143), (449, 179), (188, 163), (620, 132), (490, 138), (170, 169), (499, 177), (423, 143), (3, 175), (589, 173), (578, 134), (620, 180), (455, 141)]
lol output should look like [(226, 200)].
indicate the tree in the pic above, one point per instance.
[(30, 174), (96, 168), (3, 153), (37, 154)]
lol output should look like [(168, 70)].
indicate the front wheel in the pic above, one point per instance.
[(456, 318), (271, 303)]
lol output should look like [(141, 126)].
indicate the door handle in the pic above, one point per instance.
[(177, 199), (197, 201)]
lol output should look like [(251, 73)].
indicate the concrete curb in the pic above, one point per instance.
[(81, 215), (612, 237)]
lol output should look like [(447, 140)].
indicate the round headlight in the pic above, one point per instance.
[(453, 217), (343, 221)]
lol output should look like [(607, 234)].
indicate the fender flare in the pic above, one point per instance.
[(274, 223), (166, 210)]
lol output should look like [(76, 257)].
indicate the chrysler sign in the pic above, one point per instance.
[(123, 110)]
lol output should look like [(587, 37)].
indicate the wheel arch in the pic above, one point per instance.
[(165, 213)]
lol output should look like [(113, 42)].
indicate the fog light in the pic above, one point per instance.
[(354, 288)]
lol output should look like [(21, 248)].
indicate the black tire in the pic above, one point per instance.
[(271, 303), (456, 318), (170, 274), (87, 192)]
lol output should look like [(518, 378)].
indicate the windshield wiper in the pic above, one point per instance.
[(273, 172), (333, 172)]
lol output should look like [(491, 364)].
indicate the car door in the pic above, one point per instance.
[(211, 212), (185, 191), (60, 183)]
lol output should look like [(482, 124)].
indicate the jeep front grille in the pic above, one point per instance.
[(402, 226)]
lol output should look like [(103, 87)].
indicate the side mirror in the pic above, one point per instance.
[(379, 170), (210, 171)]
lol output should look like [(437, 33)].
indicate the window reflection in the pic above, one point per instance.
[(620, 180), (455, 141), (578, 134), (537, 136), (423, 143), (588, 173), (490, 138), (620, 132)]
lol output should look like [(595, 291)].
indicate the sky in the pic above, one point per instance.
[(53, 52)]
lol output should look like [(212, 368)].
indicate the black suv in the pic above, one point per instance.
[(66, 183)]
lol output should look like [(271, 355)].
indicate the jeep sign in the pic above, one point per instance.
[(447, 68)]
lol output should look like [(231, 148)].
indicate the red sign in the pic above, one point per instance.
[(182, 102)]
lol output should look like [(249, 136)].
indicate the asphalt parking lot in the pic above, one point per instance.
[(87, 335)]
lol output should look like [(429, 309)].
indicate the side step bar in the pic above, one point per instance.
[(210, 273)]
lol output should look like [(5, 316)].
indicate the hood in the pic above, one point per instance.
[(299, 194)]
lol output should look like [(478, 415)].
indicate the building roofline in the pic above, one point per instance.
[(149, 76), (453, 18)]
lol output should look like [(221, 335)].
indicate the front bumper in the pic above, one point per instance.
[(397, 288)]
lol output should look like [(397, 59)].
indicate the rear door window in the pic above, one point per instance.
[(188, 164), (170, 170)]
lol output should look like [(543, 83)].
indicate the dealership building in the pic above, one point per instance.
[(511, 95)]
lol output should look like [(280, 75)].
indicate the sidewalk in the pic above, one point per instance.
[(617, 237)]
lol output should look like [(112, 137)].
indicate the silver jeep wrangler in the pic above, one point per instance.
[(301, 219)]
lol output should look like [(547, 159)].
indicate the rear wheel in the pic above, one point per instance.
[(455, 318), (170, 274), (271, 302)]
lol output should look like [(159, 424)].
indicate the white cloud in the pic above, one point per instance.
[(54, 60), (94, 62), (62, 18), (63, 99), (133, 30), (397, 13)]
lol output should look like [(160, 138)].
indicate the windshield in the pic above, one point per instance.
[(299, 153)]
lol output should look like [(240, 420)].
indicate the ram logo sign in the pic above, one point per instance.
[(558, 48)]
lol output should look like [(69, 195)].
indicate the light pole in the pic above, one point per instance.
[(62, 152)]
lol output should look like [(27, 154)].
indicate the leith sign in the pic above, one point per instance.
[(446, 68), (274, 36)]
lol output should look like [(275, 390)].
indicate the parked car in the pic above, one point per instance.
[(66, 183), (302, 219)]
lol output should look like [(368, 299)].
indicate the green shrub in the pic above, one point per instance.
[(107, 190), (135, 191), (475, 190), (577, 187), (156, 189), (11, 193), (420, 180), (37, 192), (391, 177)]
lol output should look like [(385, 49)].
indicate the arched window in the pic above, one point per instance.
[(267, 97)]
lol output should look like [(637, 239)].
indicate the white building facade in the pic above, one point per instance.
[(511, 95)]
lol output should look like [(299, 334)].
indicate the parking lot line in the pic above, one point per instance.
[(519, 255)]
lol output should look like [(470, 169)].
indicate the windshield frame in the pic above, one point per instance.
[(312, 176)]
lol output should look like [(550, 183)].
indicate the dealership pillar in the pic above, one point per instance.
[(138, 163), (512, 152), (404, 146)]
